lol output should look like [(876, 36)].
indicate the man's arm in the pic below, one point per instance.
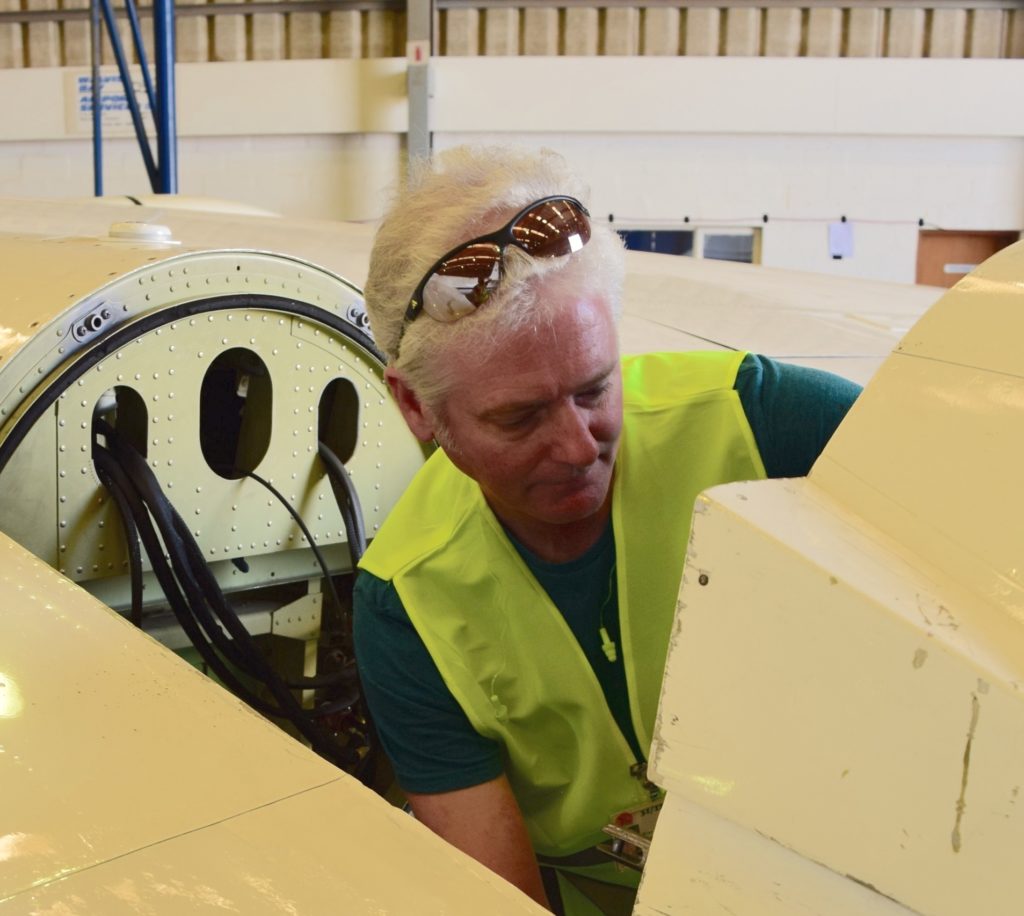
[(792, 411), (485, 822)]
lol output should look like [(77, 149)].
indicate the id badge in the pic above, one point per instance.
[(641, 818)]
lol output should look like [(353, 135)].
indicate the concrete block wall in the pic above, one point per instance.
[(284, 35), (933, 28)]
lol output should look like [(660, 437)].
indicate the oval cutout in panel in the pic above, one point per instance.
[(235, 413), (339, 418), (122, 409)]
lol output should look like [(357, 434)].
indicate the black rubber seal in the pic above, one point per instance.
[(125, 334)]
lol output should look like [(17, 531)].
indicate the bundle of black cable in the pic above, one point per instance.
[(206, 616)]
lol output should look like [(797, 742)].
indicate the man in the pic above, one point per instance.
[(513, 614)]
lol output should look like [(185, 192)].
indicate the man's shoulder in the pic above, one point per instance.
[(650, 380), (425, 518), (793, 411)]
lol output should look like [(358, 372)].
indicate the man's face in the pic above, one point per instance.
[(537, 423)]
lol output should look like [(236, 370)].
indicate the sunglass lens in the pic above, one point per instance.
[(463, 282), (552, 229)]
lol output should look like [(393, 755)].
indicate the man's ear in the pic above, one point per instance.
[(418, 418)]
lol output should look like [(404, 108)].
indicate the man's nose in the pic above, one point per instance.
[(572, 440)]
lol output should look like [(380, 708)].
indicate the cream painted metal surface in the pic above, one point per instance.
[(843, 325), (844, 680), (341, 248), (702, 863), (132, 784), (949, 404)]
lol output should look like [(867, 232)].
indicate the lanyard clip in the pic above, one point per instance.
[(639, 772)]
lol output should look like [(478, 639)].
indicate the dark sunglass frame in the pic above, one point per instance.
[(501, 239)]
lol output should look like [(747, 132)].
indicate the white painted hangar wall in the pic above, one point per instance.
[(885, 142)]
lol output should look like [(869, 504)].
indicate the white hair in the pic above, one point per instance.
[(458, 195)]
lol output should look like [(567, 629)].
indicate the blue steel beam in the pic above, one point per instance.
[(96, 35), (162, 171), (140, 51), (166, 121), (129, 92)]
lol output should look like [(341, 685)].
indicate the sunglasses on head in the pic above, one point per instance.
[(467, 276)]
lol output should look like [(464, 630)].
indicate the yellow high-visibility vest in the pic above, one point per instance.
[(501, 646)]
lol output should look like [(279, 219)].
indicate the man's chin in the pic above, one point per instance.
[(577, 505)]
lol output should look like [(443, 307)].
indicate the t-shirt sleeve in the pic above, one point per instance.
[(423, 730), (792, 410)]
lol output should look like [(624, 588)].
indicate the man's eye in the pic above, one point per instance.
[(516, 421), (592, 395)]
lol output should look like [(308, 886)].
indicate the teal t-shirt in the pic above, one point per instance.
[(792, 411)]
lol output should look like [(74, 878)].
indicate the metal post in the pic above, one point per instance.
[(165, 114), (95, 34), (420, 89)]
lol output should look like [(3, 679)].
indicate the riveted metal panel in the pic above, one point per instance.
[(158, 329)]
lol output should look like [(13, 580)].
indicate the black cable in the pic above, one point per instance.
[(211, 591), (323, 680), (351, 511), (191, 612), (347, 498), (170, 527), (352, 518), (200, 584), (106, 464), (201, 587), (306, 533), (131, 536)]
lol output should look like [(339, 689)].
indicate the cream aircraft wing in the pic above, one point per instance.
[(131, 783), (847, 326)]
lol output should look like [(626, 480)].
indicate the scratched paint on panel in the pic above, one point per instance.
[(961, 803)]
